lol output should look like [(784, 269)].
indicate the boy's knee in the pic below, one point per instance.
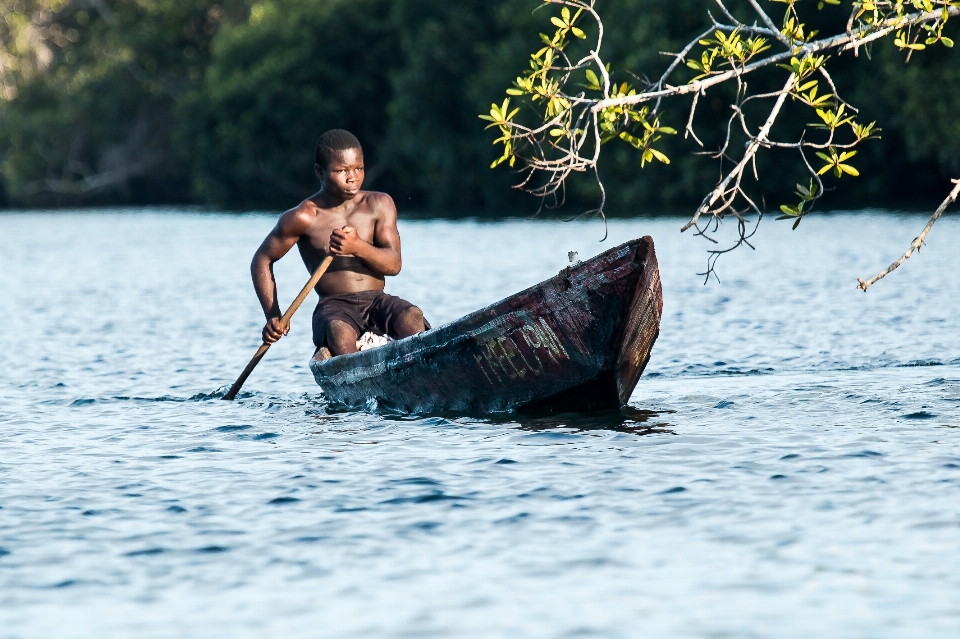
[(341, 337), (339, 328), (411, 319), (409, 322), (412, 314), (339, 325)]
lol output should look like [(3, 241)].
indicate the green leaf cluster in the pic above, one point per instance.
[(836, 162), (634, 126), (731, 50), (542, 85), (807, 195), (500, 117)]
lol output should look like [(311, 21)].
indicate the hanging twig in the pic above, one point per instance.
[(917, 242)]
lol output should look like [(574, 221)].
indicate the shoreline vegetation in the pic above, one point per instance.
[(217, 105)]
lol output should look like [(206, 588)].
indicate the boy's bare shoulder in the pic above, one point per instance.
[(297, 220), (379, 202)]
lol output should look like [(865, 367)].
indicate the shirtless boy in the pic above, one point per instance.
[(360, 229)]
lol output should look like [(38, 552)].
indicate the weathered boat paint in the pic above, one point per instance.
[(578, 341)]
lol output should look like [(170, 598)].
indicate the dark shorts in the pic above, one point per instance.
[(367, 311)]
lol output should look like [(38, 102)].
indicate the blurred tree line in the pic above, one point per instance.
[(220, 103)]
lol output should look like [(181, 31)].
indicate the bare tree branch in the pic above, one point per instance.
[(843, 42), (917, 242), (722, 190)]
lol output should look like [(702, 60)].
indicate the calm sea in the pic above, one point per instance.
[(789, 465)]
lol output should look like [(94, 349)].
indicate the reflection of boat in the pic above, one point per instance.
[(627, 419), (575, 342)]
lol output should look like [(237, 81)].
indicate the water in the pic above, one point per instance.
[(789, 466)]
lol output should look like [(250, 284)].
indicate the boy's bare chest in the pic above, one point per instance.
[(319, 233)]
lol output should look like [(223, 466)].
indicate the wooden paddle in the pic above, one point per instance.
[(284, 323)]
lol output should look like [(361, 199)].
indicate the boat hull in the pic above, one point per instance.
[(578, 341)]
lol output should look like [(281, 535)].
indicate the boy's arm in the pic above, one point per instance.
[(278, 243), (383, 255)]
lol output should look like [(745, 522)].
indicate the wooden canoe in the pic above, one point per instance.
[(576, 342)]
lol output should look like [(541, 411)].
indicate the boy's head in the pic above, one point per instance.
[(339, 163), (331, 144)]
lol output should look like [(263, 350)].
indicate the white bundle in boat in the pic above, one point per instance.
[(371, 340)]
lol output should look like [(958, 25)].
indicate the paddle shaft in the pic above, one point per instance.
[(284, 322)]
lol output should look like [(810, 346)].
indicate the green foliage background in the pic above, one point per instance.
[(220, 103)]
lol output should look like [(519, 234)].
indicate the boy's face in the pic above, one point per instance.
[(343, 176)]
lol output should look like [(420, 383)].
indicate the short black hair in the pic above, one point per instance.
[(331, 143)]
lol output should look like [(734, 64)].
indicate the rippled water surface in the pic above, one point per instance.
[(789, 465)]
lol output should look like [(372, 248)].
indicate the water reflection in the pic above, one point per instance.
[(627, 419), (631, 420), (634, 421)]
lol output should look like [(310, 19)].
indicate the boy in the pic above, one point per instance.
[(360, 229)]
